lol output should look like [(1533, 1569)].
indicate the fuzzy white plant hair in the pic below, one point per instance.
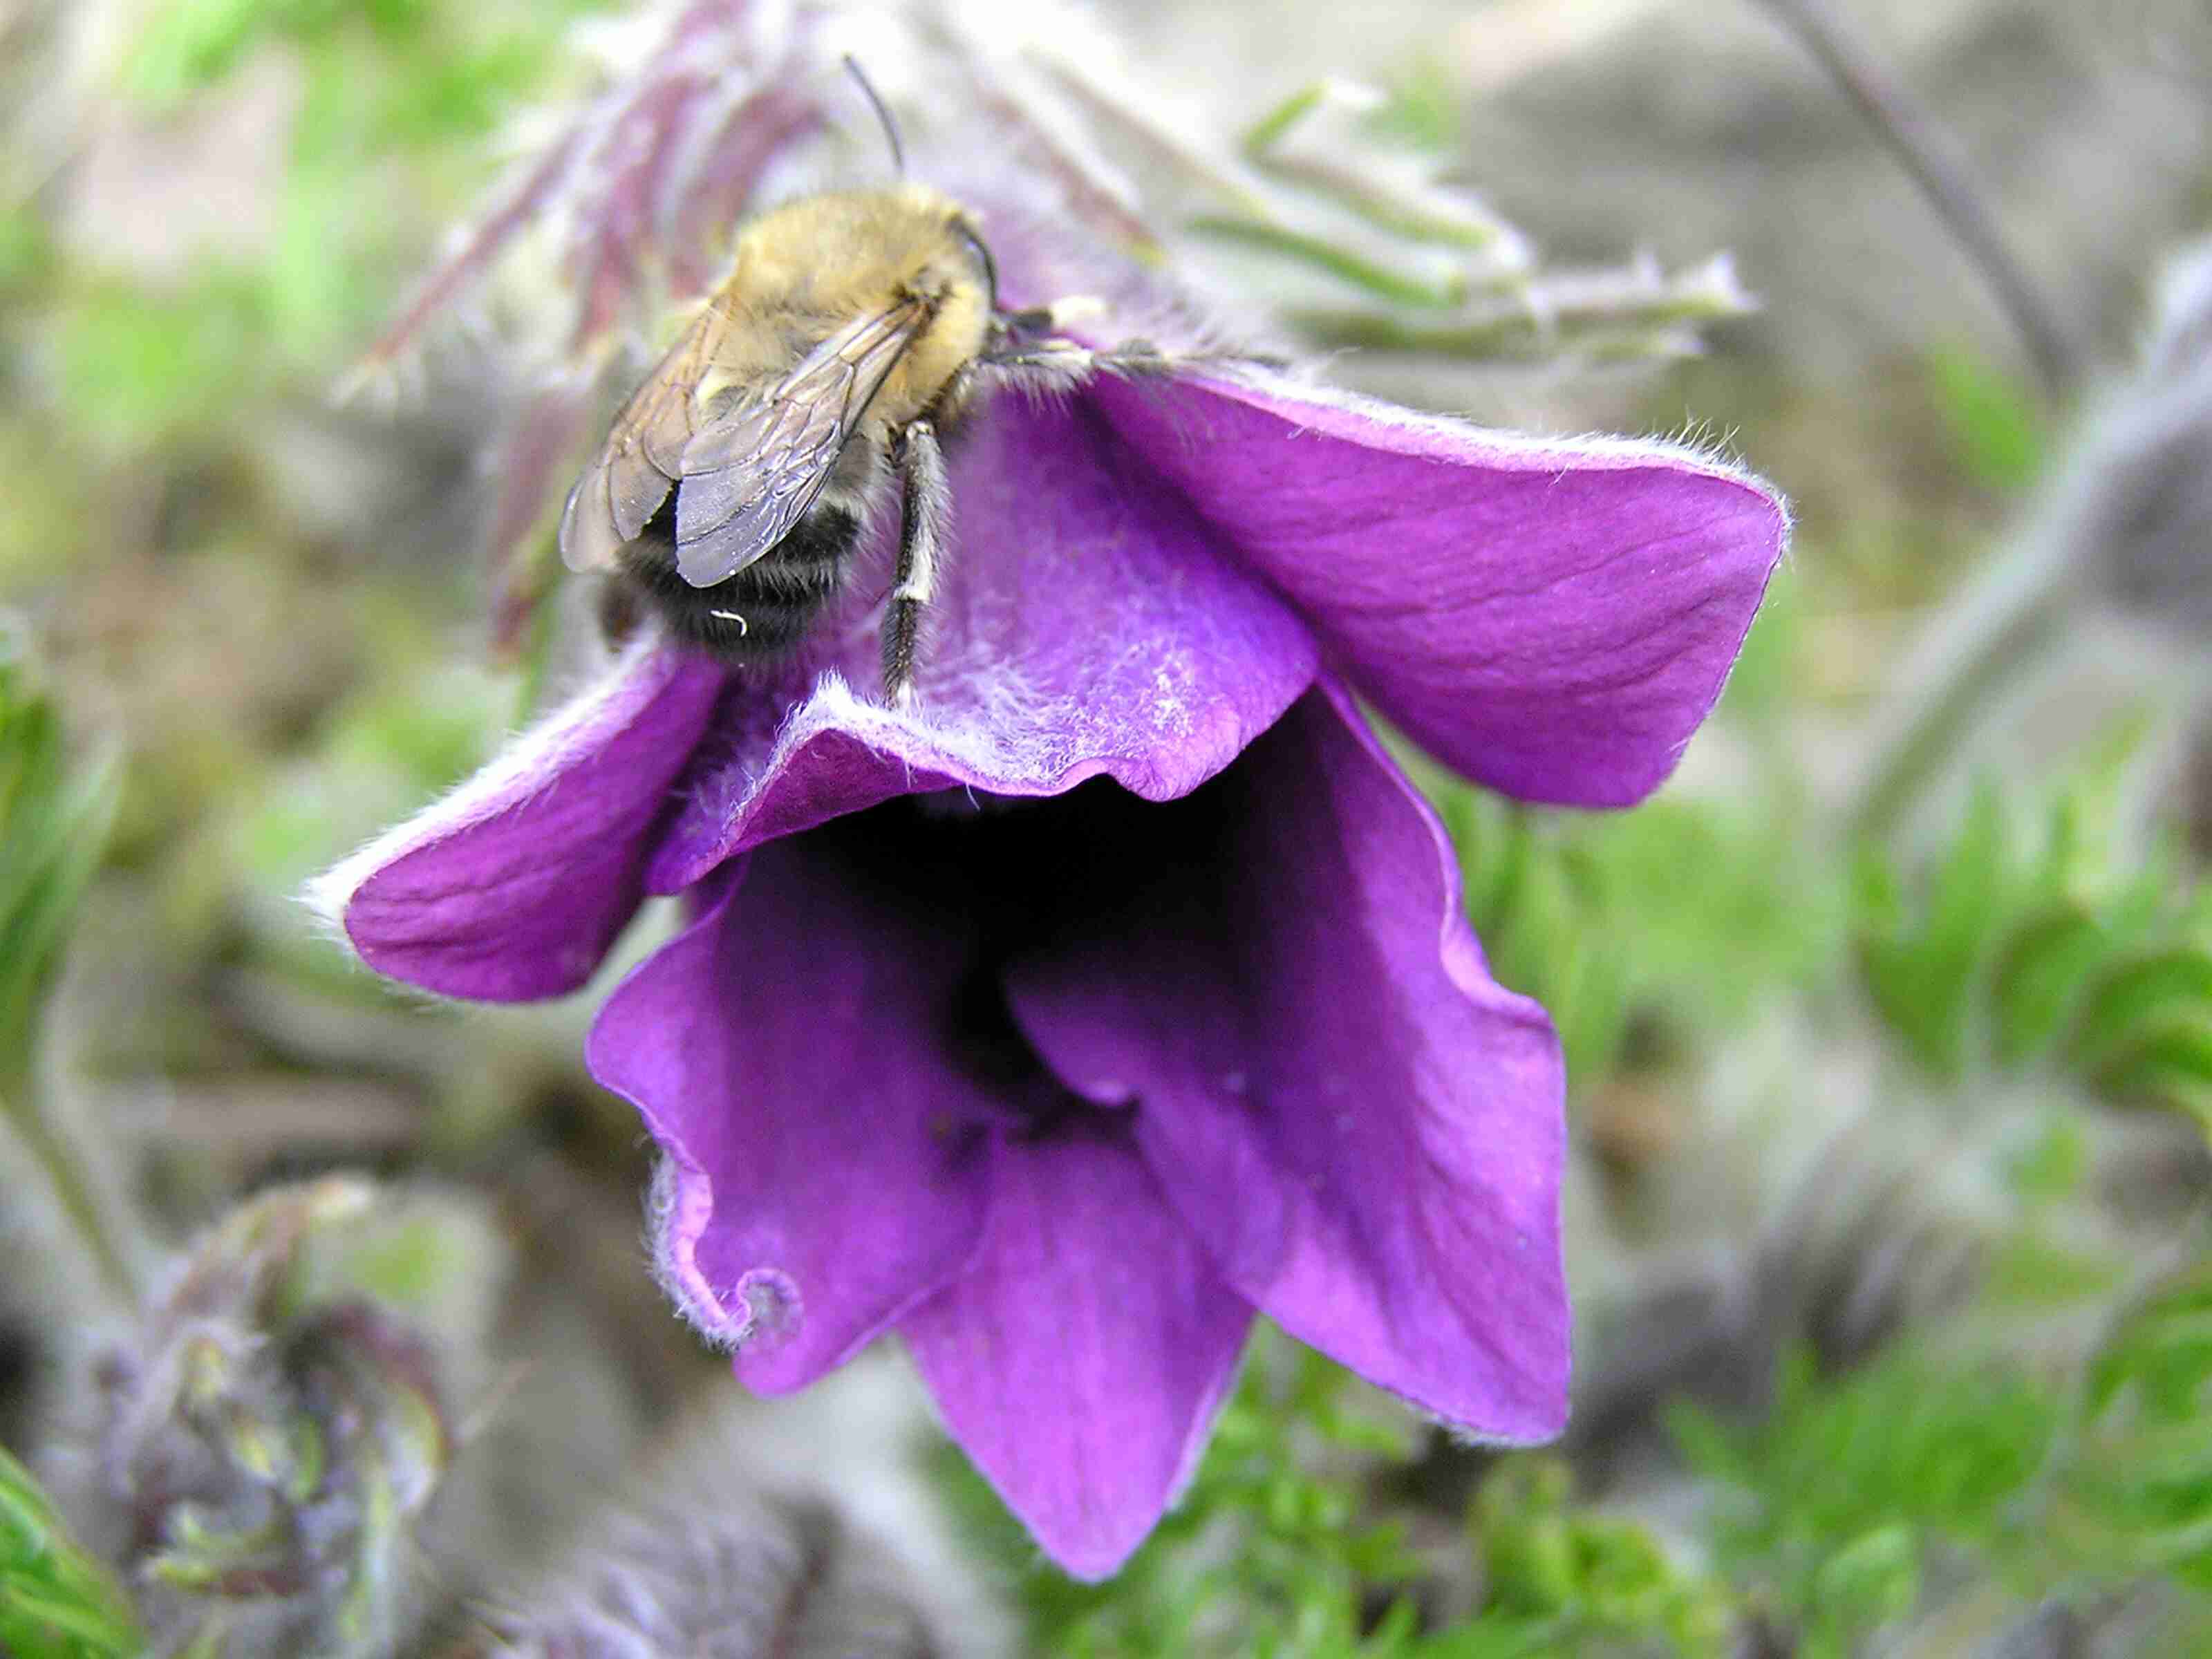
[(744, 1535), (539, 750)]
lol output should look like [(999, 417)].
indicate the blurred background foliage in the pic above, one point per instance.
[(1889, 1022)]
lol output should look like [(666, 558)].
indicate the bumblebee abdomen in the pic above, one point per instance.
[(763, 610)]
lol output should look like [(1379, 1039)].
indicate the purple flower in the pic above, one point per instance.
[(1119, 988)]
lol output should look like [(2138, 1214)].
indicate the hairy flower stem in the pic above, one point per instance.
[(1928, 154), (1992, 639), (80, 1197), (2112, 534)]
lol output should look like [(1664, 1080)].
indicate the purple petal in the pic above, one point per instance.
[(1087, 624), (1363, 1127), (826, 1165), (513, 886), (1554, 619), (1081, 1357)]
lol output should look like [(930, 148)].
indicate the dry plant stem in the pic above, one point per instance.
[(1927, 154), (78, 1196)]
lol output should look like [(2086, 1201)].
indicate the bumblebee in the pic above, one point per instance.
[(853, 333)]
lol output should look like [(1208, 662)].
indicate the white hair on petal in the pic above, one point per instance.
[(542, 749), (1692, 449), (677, 1210)]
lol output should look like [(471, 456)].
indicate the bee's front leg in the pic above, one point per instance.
[(925, 529), (1028, 348), (1057, 364)]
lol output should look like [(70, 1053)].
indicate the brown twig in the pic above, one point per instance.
[(1929, 155)]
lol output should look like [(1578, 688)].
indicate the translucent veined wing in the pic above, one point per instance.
[(748, 478), (629, 479)]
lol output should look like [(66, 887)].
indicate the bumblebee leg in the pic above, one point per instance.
[(621, 609), (1028, 348), (925, 527), (1043, 366), (1057, 365)]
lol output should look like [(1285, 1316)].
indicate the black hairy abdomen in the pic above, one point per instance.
[(778, 596)]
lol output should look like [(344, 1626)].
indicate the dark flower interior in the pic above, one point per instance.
[(1002, 880)]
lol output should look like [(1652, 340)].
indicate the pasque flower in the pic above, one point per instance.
[(1121, 987)]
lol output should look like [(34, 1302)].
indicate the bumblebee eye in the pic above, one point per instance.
[(966, 233)]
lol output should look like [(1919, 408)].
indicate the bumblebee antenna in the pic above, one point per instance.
[(883, 114)]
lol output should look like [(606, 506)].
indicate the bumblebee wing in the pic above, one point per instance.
[(588, 541), (629, 479), (748, 477)]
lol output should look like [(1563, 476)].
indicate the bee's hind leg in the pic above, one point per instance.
[(925, 528)]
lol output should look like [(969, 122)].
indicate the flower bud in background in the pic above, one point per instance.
[(726, 1580), (711, 1552), (268, 1437)]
